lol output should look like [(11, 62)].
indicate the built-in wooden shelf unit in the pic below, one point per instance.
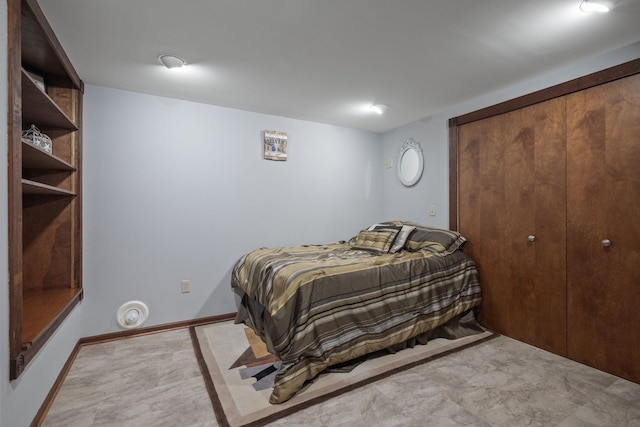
[(45, 189)]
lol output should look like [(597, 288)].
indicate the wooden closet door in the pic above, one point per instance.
[(512, 185), (604, 204)]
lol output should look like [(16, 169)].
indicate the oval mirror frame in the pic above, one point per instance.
[(410, 163)]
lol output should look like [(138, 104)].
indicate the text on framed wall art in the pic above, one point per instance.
[(275, 145)]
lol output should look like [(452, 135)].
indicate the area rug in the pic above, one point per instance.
[(239, 371)]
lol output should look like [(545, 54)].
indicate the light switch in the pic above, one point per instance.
[(185, 286), (432, 210)]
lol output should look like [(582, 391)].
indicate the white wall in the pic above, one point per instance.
[(179, 190), (433, 135)]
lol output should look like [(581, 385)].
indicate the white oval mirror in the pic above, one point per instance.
[(410, 163)]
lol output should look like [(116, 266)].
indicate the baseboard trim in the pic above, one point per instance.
[(154, 329), (96, 339)]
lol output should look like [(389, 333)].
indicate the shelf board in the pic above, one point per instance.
[(40, 308), (36, 158), (41, 49), (39, 109), (44, 191), (33, 187)]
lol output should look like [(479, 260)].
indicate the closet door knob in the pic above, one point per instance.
[(606, 243), (532, 238)]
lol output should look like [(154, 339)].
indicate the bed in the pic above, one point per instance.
[(316, 306)]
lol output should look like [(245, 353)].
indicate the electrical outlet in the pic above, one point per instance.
[(186, 286), (388, 164)]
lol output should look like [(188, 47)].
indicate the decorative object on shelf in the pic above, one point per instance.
[(37, 138), (275, 145), (410, 163), (39, 80)]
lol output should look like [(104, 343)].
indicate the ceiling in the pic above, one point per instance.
[(328, 60)]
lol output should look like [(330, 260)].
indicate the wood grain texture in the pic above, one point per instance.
[(36, 158), (37, 187), (15, 186), (511, 182), (45, 242), (41, 308), (594, 183), (591, 80), (604, 203), (76, 206), (453, 177), (40, 109), (45, 53)]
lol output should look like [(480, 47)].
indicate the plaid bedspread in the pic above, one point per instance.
[(316, 306)]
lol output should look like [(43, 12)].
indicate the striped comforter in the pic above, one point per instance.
[(317, 306)]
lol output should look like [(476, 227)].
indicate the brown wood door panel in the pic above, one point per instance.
[(512, 185), (537, 190), (604, 203), (481, 182)]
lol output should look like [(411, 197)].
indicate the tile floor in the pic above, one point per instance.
[(154, 380)]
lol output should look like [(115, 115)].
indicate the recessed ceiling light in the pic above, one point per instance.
[(171, 61), (379, 108), (594, 6)]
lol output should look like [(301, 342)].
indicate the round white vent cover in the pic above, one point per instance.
[(132, 314)]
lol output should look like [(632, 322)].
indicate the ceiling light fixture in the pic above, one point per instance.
[(379, 108), (594, 6), (171, 61)]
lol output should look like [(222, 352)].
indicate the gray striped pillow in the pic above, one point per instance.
[(377, 241), (424, 237)]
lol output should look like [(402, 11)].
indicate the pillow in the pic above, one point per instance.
[(396, 223), (433, 239), (377, 241), (401, 237)]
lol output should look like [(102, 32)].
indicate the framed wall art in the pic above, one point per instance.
[(275, 145)]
